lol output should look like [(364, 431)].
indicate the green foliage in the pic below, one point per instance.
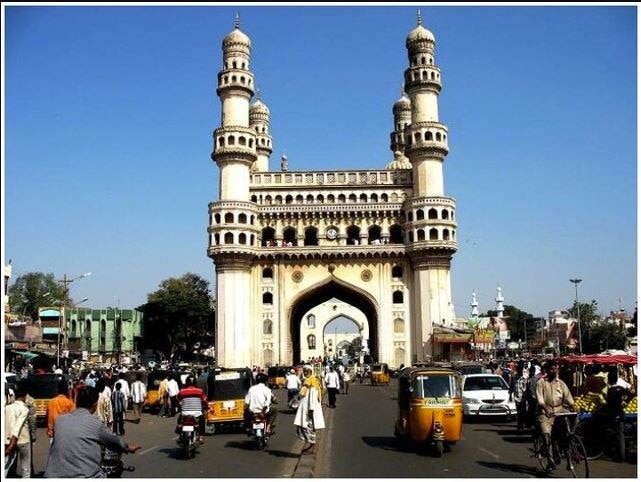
[(179, 315), (601, 336), (29, 292), (588, 312)]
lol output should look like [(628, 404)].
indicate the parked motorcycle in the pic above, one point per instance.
[(112, 465), (188, 435), (261, 429)]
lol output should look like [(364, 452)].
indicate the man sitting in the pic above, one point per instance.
[(193, 401), (258, 398)]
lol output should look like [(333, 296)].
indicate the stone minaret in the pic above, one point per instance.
[(475, 305), (430, 223), (499, 302), (232, 240), (402, 111), (259, 121)]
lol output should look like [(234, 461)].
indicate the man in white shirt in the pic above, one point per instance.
[(293, 385), (258, 397), (172, 390), (18, 440), (138, 395), (124, 388), (332, 382)]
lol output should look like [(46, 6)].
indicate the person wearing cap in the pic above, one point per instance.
[(293, 385)]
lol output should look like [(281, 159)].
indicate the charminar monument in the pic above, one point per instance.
[(375, 245)]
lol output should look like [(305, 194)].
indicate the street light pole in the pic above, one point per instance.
[(576, 282)]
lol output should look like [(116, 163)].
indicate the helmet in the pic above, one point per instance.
[(261, 378)]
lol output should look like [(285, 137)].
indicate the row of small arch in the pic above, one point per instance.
[(415, 61), (427, 136), (231, 141), (234, 79), (433, 213), (330, 198), (290, 237), (423, 75)]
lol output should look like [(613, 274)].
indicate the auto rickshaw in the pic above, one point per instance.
[(226, 390), (430, 407), (380, 374), (43, 387), (152, 401), (277, 376)]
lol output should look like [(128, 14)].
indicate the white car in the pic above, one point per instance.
[(487, 394)]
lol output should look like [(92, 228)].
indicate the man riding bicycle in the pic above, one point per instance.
[(553, 397)]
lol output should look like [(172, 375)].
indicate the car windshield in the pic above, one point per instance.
[(485, 383), (435, 386)]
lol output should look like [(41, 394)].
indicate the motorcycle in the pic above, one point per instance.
[(111, 464), (188, 434), (261, 429)]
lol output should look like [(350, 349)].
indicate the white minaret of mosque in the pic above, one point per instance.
[(475, 305), (259, 121), (499, 302), (231, 243)]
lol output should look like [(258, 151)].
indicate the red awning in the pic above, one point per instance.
[(602, 359)]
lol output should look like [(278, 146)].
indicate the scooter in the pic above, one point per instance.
[(261, 429), (111, 464), (188, 434)]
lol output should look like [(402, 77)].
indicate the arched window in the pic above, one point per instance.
[(446, 234), (433, 234), (311, 342), (268, 199), (217, 218), (217, 239), (374, 198), (363, 198), (268, 298), (445, 214), (384, 198), (229, 218), (311, 237), (320, 199), (229, 238), (420, 215), (252, 240), (399, 325), (374, 235), (410, 216), (410, 236), (242, 238), (268, 273), (88, 328), (309, 199), (267, 327), (353, 235), (331, 199), (397, 297), (268, 237), (289, 237), (311, 321), (397, 271), (352, 198), (242, 141), (278, 200), (289, 199), (242, 218), (428, 136), (432, 214), (254, 198), (420, 235), (341, 198), (299, 199), (396, 234), (438, 136)]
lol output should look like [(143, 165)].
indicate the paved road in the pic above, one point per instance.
[(360, 443)]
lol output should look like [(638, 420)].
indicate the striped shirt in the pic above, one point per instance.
[(138, 392), (191, 400), (118, 401), (75, 451)]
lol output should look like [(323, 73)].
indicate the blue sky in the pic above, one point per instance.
[(109, 113)]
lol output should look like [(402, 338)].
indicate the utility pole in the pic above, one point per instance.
[(578, 310)]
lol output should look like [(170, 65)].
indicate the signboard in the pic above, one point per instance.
[(513, 345), (484, 335), (85, 355)]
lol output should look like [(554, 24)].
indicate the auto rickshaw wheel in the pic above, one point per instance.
[(439, 448)]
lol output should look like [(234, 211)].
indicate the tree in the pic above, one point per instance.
[(33, 290), (603, 336), (179, 315), (588, 315)]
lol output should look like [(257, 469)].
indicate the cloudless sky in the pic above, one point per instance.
[(109, 113)]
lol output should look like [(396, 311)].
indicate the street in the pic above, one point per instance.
[(358, 442)]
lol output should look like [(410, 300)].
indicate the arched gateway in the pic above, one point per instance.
[(286, 242)]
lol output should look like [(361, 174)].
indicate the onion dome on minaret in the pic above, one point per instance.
[(236, 36), (399, 162), (258, 109), (420, 34), (402, 105), (402, 118)]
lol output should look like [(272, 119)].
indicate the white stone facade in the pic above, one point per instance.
[(286, 243)]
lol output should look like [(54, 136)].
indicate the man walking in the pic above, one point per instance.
[(332, 382), (58, 405), (118, 404), (138, 395), (172, 390), (16, 423)]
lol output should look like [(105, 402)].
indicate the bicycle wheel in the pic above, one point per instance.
[(539, 451), (575, 463), (593, 441)]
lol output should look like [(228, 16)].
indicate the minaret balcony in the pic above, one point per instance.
[(423, 77), (234, 141), (235, 79), (426, 136)]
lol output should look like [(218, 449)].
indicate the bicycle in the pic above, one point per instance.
[(566, 443)]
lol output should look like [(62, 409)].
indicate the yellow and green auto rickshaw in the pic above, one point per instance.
[(277, 376), (430, 408), (226, 390)]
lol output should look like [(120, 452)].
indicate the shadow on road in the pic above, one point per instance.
[(282, 453), (512, 468), (386, 443), (176, 453), (251, 445)]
